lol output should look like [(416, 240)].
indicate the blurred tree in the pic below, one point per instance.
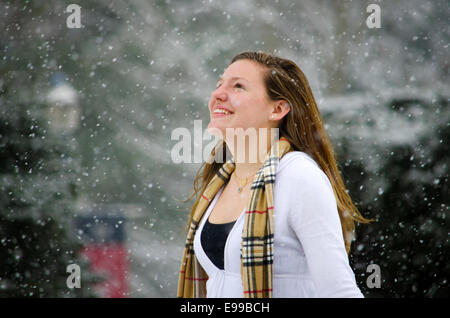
[(37, 191), (404, 185)]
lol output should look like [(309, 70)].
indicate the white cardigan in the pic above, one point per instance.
[(310, 259)]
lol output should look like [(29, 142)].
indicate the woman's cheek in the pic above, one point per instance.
[(235, 102)]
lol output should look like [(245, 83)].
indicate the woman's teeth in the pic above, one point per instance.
[(221, 111)]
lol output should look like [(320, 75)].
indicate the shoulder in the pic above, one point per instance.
[(296, 159), (305, 190), (299, 168)]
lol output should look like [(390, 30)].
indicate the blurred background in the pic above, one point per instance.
[(87, 112)]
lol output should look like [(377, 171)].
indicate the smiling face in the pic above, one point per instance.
[(240, 99)]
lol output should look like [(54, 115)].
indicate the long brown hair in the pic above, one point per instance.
[(302, 127)]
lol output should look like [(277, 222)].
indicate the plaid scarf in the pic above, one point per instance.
[(257, 236)]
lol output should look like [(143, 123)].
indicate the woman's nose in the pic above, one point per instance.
[(219, 93)]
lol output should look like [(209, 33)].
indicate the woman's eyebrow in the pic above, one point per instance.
[(233, 78)]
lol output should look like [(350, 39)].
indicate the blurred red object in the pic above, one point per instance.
[(105, 248), (110, 261)]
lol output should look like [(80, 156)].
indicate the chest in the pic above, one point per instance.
[(289, 257), (230, 204)]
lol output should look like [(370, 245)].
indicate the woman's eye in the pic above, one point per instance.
[(235, 85)]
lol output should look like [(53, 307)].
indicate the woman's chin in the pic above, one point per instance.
[(216, 130)]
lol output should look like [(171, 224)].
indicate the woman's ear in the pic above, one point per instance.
[(280, 110), (287, 107)]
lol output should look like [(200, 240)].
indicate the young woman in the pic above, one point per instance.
[(280, 225)]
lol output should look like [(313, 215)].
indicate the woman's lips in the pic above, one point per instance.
[(220, 114)]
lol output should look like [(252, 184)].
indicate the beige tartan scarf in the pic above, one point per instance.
[(257, 236)]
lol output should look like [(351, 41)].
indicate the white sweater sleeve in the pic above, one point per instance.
[(314, 218)]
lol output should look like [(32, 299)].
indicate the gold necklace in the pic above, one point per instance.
[(241, 184)]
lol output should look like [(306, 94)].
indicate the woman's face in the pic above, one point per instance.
[(242, 93)]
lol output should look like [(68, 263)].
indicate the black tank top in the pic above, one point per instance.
[(213, 239)]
